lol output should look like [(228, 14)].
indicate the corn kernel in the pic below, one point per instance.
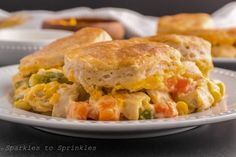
[(22, 105), (221, 86), (215, 91), (217, 97), (182, 108), (54, 99)]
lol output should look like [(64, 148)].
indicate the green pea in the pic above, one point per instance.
[(145, 114), (48, 77)]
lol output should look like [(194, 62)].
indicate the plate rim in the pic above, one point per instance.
[(38, 31), (224, 60)]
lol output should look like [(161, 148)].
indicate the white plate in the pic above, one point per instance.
[(15, 44), (226, 110), (224, 60)]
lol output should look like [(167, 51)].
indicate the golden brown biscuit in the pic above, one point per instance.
[(122, 64), (224, 51), (191, 48), (216, 36), (223, 40), (52, 56), (179, 23)]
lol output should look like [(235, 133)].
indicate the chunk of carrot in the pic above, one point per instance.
[(182, 85), (108, 109), (171, 83), (175, 84), (78, 110), (164, 110)]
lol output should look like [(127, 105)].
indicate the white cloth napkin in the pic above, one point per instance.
[(225, 16), (135, 23)]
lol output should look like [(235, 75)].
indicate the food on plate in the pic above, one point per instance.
[(137, 79), (113, 27), (179, 23), (52, 56), (122, 64), (118, 74)]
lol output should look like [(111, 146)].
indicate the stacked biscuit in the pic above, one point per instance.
[(223, 41)]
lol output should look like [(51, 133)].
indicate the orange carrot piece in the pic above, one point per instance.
[(175, 84), (164, 109), (78, 110), (182, 85), (108, 109), (171, 83)]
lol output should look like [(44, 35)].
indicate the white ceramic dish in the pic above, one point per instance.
[(226, 110), (15, 44), (224, 60)]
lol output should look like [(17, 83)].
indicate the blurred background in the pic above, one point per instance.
[(18, 35), (147, 7)]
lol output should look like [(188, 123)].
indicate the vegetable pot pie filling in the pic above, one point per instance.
[(121, 80)]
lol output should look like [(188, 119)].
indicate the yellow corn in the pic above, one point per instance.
[(221, 86), (42, 97), (54, 99), (22, 105), (215, 91), (182, 108)]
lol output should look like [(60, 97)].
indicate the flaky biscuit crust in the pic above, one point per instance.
[(184, 22), (192, 48), (108, 64), (52, 56)]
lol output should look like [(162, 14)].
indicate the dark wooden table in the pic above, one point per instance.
[(216, 140)]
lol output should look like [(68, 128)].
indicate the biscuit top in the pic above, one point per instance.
[(123, 53), (217, 36), (52, 56), (107, 64), (184, 22), (192, 48)]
